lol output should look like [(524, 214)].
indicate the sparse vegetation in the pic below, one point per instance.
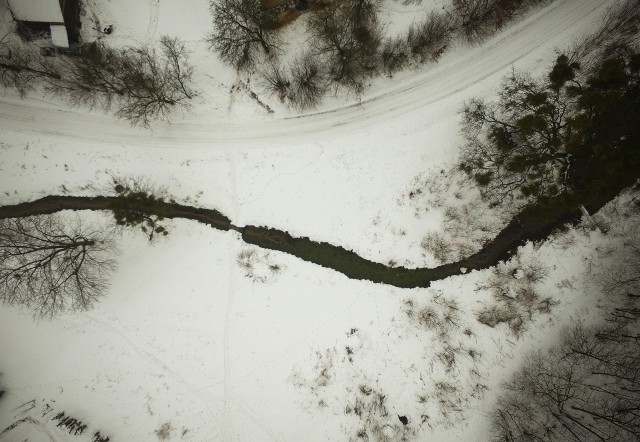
[(516, 300), (258, 266), (454, 364), (164, 432)]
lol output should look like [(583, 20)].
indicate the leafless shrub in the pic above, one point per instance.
[(447, 357), (164, 432), (276, 81), (516, 300), (429, 317), (480, 18), (497, 314), (363, 13), (258, 266), (50, 265), (394, 54), (308, 82), (619, 31), (436, 244), (426, 37), (440, 316), (477, 18)]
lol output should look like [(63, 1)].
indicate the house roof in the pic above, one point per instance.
[(59, 36), (47, 11)]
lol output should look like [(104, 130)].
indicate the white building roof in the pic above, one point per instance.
[(47, 11), (59, 36)]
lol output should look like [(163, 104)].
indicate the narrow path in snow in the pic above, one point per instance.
[(228, 326), (531, 224)]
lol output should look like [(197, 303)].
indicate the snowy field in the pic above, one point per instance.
[(198, 339)]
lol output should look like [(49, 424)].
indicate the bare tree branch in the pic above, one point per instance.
[(51, 267)]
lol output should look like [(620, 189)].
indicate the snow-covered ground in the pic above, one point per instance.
[(229, 352)]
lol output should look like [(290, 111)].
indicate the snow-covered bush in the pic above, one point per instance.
[(513, 286), (258, 265)]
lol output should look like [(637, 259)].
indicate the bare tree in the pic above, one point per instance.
[(587, 387), (23, 67), (351, 48), (241, 29), (142, 84), (177, 70), (139, 82), (49, 266)]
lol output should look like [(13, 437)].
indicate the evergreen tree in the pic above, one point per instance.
[(569, 135), (136, 206)]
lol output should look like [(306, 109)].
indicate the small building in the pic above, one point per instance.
[(57, 18)]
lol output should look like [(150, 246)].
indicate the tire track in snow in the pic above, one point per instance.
[(421, 92)]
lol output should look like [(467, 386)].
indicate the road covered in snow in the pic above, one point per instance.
[(430, 93)]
